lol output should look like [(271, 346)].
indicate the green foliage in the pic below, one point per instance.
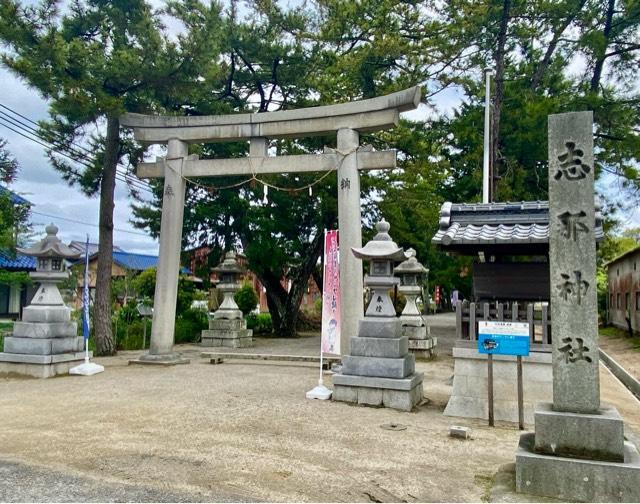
[(14, 278), (260, 323), (144, 284), (189, 326), (246, 298)]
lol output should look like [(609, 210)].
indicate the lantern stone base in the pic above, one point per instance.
[(402, 394), (39, 366), (577, 480), (421, 343), (227, 333)]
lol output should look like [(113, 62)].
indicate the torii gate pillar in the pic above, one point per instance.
[(350, 235), (166, 293)]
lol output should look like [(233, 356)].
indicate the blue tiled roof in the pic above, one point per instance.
[(15, 198), (19, 262), (137, 262)]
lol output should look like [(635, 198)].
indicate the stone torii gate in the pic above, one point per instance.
[(347, 120)]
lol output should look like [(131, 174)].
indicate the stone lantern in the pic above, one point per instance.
[(45, 342), (379, 371), (230, 272), (381, 252), (412, 275), (228, 328)]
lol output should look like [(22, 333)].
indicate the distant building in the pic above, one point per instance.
[(623, 280), (14, 297)]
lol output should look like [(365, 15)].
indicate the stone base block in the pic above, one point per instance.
[(378, 366), (424, 349), (37, 313), (578, 435), (469, 395), (415, 332), (227, 325), (227, 314), (171, 359), (379, 347), (39, 366), (45, 329), (424, 344), (577, 480), (227, 342), (403, 394), (239, 333), (372, 327), (44, 346)]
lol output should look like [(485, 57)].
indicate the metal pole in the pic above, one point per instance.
[(488, 72), (490, 387), (520, 395)]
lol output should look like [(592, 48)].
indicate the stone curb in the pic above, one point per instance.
[(621, 373)]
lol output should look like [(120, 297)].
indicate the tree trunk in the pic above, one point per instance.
[(284, 306), (602, 51), (105, 344), (498, 98)]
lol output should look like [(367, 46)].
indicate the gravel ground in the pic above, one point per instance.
[(243, 430)]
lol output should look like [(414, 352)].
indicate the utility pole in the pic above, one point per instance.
[(486, 168)]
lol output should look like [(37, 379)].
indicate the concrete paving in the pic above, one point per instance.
[(243, 430)]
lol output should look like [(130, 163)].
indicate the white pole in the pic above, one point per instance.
[(488, 72), (320, 391)]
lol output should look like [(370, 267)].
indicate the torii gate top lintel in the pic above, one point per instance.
[(363, 115)]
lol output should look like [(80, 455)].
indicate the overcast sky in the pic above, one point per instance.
[(77, 215)]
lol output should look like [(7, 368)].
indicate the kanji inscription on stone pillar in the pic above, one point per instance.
[(572, 263)]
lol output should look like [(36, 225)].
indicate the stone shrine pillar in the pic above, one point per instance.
[(227, 328), (414, 326), (164, 301), (46, 342), (379, 371), (578, 452), (350, 237)]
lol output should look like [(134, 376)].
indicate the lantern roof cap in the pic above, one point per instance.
[(411, 265), (50, 246), (229, 264), (381, 246)]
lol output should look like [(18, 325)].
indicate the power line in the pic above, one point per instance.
[(79, 156), (48, 145), (87, 223)]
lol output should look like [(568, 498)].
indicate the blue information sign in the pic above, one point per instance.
[(503, 338)]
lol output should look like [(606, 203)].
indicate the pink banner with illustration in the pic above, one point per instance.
[(331, 295)]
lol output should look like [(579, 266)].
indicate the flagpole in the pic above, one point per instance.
[(324, 266), (88, 368), (320, 391)]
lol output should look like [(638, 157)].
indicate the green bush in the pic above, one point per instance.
[(246, 299), (130, 335), (190, 324), (260, 323)]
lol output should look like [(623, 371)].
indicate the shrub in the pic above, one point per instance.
[(190, 324), (246, 299), (260, 323)]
